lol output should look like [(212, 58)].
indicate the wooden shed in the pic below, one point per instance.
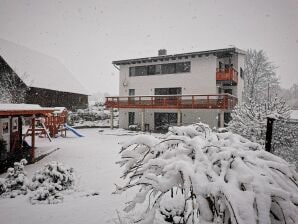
[(12, 116)]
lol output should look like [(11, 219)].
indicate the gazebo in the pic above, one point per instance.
[(11, 125)]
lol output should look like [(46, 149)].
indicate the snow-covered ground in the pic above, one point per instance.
[(294, 114), (93, 158)]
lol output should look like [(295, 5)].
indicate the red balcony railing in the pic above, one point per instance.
[(219, 101), (227, 75)]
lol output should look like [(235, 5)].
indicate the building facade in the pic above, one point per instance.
[(179, 89)]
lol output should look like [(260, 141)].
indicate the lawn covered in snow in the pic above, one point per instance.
[(93, 158)]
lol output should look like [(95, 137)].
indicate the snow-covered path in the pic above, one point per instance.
[(93, 159)]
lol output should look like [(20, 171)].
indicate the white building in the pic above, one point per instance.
[(179, 89)]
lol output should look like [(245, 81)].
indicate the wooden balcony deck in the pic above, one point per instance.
[(227, 76), (216, 101)]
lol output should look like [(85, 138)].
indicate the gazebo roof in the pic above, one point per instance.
[(24, 109)]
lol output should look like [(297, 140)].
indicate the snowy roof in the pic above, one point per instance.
[(23, 109), (217, 52), (21, 106), (39, 70), (294, 114), (59, 110)]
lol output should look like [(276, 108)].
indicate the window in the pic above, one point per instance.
[(162, 121), (131, 118), (183, 67), (168, 68), (154, 69), (168, 91), (5, 128), (138, 71), (241, 73), (229, 91), (132, 71), (15, 124), (131, 92)]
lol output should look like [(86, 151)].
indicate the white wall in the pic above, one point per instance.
[(189, 116), (240, 86), (201, 79)]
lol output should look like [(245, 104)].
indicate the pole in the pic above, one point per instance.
[(33, 139), (179, 117), (143, 120), (111, 118), (221, 119), (269, 134)]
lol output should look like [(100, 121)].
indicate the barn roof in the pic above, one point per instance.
[(39, 70)]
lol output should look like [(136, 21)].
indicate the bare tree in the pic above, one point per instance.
[(260, 76), (12, 88)]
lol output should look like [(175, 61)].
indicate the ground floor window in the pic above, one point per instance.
[(131, 118), (162, 121)]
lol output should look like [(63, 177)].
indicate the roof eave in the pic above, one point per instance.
[(232, 50)]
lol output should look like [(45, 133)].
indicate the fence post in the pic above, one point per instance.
[(269, 134)]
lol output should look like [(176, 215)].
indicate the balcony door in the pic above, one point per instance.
[(131, 92), (162, 121), (171, 100)]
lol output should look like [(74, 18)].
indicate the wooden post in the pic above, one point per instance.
[(179, 117), (111, 118), (33, 139), (269, 134), (221, 119), (143, 120)]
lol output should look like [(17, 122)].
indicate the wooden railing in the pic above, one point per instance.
[(229, 75), (216, 101)]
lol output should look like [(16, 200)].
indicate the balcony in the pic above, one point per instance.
[(226, 76), (219, 101)]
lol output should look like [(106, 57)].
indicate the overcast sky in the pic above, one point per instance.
[(87, 35)]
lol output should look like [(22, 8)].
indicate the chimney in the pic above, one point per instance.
[(162, 52)]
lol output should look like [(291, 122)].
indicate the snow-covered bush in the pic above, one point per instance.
[(194, 175), (92, 113), (16, 182), (50, 181), (250, 119)]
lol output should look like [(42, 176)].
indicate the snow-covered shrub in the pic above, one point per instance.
[(194, 175), (2, 186), (250, 121), (50, 181), (250, 118), (92, 113), (16, 182)]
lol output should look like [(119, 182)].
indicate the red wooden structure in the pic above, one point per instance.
[(55, 123), (215, 101), (11, 121), (227, 75)]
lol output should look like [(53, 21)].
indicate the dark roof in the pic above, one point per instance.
[(219, 53)]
